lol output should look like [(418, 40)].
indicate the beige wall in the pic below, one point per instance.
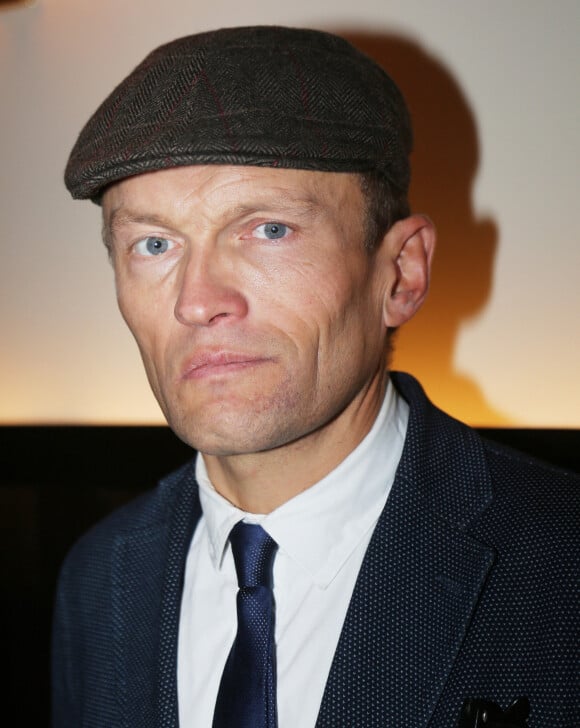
[(495, 93)]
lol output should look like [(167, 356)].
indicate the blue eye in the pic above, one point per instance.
[(153, 245), (272, 230)]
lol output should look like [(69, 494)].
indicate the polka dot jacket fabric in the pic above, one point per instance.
[(469, 589)]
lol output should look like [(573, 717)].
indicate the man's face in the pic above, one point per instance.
[(256, 309)]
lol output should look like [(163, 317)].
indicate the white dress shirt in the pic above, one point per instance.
[(322, 534)]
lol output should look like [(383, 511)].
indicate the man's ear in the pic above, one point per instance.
[(409, 246)]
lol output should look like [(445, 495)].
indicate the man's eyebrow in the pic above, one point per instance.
[(289, 205), (121, 216), (279, 199)]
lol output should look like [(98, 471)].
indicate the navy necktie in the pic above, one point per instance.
[(247, 693)]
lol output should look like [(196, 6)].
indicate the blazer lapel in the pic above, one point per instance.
[(147, 587), (420, 580)]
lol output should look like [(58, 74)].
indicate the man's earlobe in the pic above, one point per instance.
[(410, 245)]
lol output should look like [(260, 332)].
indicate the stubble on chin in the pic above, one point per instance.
[(237, 424)]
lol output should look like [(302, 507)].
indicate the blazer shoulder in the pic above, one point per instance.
[(534, 513), (514, 473), (146, 511)]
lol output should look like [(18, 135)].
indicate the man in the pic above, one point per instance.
[(340, 553)]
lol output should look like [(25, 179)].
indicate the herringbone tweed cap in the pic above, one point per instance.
[(261, 96)]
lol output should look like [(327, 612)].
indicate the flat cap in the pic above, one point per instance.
[(261, 96)]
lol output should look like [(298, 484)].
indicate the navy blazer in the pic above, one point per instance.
[(468, 590)]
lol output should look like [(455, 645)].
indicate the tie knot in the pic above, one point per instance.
[(253, 551)]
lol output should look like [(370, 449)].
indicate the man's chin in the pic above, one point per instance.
[(233, 420), (220, 445), (218, 433), (232, 435)]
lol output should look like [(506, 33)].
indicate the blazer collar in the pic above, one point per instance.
[(147, 586), (443, 458), (420, 580)]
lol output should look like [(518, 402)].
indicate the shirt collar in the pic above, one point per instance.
[(321, 527)]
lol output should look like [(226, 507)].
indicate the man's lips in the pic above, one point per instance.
[(207, 364)]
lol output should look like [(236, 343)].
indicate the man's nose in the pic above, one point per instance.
[(209, 293)]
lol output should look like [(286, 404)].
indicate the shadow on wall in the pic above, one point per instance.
[(444, 166)]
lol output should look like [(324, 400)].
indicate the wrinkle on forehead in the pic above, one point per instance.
[(217, 193)]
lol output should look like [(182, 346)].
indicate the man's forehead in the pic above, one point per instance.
[(199, 182), (235, 189), (263, 96)]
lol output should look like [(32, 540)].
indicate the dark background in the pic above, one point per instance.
[(57, 481)]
